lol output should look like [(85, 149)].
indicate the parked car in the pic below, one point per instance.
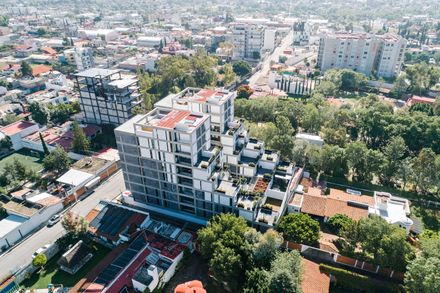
[(40, 250), (55, 219)]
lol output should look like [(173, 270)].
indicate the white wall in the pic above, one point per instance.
[(36, 220)]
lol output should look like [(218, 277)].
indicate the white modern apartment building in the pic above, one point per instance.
[(365, 53), (218, 103), (106, 96), (248, 40), (171, 165), (82, 57)]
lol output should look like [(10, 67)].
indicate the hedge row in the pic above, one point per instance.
[(357, 282)]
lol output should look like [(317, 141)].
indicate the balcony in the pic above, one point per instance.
[(269, 212)]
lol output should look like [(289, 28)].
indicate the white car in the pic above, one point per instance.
[(40, 250), (52, 221)]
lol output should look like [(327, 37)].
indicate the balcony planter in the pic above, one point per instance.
[(240, 205), (263, 220), (251, 164), (267, 207), (204, 165)]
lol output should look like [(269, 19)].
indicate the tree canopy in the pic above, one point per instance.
[(57, 160), (80, 142), (299, 228)]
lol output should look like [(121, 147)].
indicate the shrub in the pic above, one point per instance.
[(357, 282)]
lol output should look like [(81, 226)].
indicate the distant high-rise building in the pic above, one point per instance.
[(106, 96), (301, 33), (82, 57), (248, 41), (365, 53)]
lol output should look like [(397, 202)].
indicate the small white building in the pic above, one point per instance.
[(395, 210), (269, 39), (310, 138), (105, 34), (17, 130), (149, 42)]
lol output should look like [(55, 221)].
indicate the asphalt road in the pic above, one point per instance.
[(21, 255), (265, 66)]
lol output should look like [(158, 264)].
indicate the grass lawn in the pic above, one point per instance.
[(52, 273), (25, 157)]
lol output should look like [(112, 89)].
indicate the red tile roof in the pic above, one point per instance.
[(40, 69), (173, 118), (48, 50), (204, 94), (16, 127), (419, 99), (324, 206)]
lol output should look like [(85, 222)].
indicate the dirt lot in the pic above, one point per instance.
[(195, 269)]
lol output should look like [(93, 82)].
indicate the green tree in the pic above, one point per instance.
[(43, 143), (425, 170), (223, 241), (436, 106), (422, 275), (40, 260), (244, 92), (285, 273), (327, 88), (256, 281), (80, 142), (4, 20), (241, 68), (283, 140), (39, 113), (394, 152), (42, 32), (25, 69), (312, 120), (299, 228), (339, 222), (227, 265), (266, 248), (400, 87), (386, 243), (60, 113), (74, 224), (8, 119), (57, 160), (228, 75)]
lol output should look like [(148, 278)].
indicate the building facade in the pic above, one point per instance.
[(106, 96), (364, 53), (301, 33), (248, 41), (172, 166), (82, 57)]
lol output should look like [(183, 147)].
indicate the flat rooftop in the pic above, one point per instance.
[(123, 83), (97, 72), (10, 223), (90, 164), (173, 119), (16, 127), (194, 95)]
